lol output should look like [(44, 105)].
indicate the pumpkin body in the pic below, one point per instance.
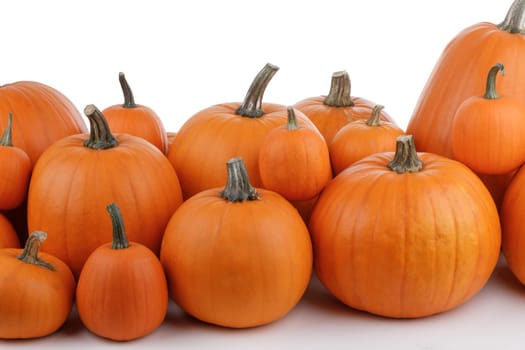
[(405, 245), (8, 236)]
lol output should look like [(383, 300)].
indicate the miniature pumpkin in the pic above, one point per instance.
[(8, 236), (37, 291), (239, 256), (80, 174), (405, 235), (136, 119), (122, 293)]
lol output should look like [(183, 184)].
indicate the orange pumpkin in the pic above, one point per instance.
[(79, 174), (237, 257), (136, 119), (37, 291), (210, 137), (15, 167), (361, 138), (294, 160), (405, 234), (331, 112), (43, 116), (122, 293), (8, 236)]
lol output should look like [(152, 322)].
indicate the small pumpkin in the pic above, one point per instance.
[(405, 234), (331, 112), (122, 293), (8, 236), (487, 131), (294, 160), (37, 291), (237, 256), (15, 167), (136, 119), (361, 138)]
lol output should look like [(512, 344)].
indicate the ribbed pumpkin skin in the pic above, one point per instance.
[(237, 264), (71, 185), (405, 245), (41, 115), (8, 236)]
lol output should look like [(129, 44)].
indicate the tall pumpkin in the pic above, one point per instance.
[(78, 175), (460, 73)]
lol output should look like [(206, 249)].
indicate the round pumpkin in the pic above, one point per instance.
[(8, 236), (405, 234)]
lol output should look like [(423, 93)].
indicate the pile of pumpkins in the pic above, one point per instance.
[(230, 215)]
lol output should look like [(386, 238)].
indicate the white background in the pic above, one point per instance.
[(180, 57)]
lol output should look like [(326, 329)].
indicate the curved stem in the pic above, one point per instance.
[(252, 104), (491, 93), (340, 89), (30, 253), (405, 158), (100, 136), (292, 120), (120, 241), (7, 139), (514, 22), (375, 117), (238, 187), (129, 100)]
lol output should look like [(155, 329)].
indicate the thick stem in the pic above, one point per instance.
[(7, 139), (238, 187), (252, 104), (375, 117), (120, 241), (491, 93), (30, 253), (292, 123), (129, 100), (514, 22), (340, 89), (405, 158), (100, 136)]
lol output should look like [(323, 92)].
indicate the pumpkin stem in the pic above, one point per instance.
[(339, 95), (514, 22), (252, 105), (7, 139), (491, 93), (238, 187), (30, 253), (120, 241), (405, 158), (292, 120), (375, 117), (129, 100), (100, 136)]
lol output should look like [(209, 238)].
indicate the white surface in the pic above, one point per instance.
[(180, 57)]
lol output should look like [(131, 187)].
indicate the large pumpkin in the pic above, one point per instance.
[(405, 235)]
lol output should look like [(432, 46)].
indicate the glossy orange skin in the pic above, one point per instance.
[(72, 184), (34, 301), (140, 121), (42, 115), (405, 245), (122, 294), (8, 236), (357, 140), (329, 119), (210, 137), (237, 264), (15, 170), (294, 162)]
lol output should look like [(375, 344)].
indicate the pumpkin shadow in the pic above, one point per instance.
[(504, 276)]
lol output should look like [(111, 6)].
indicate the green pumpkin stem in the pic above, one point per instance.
[(238, 187), (405, 158), (100, 136), (120, 240), (30, 253), (252, 105), (340, 89), (514, 22), (292, 123), (7, 139), (129, 100), (491, 93), (375, 116)]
